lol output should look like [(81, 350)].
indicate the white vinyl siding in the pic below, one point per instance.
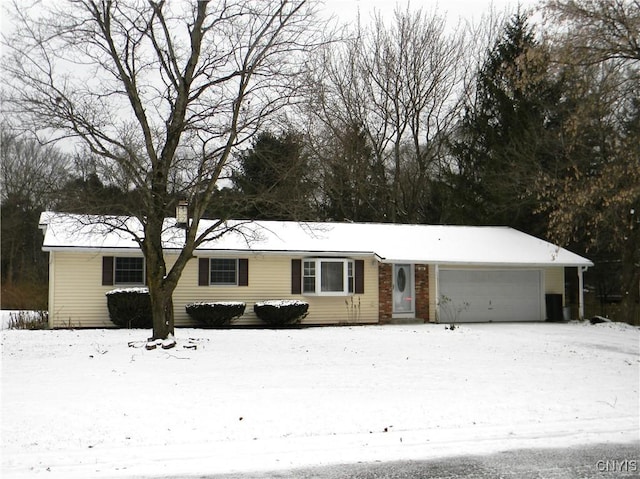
[(77, 297), (554, 281), (270, 278)]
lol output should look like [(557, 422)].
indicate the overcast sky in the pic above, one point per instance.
[(347, 10)]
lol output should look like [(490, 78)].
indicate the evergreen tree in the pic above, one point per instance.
[(509, 134), (273, 179), (91, 196), (354, 185)]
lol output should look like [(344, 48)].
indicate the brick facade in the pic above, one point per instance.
[(422, 292), (385, 292)]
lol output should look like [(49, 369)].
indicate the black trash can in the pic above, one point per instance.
[(554, 307)]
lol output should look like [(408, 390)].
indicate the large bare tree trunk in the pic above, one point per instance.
[(162, 309), (161, 286)]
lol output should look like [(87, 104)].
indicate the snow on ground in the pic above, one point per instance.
[(85, 404)]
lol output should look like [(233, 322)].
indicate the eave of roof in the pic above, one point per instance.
[(391, 243)]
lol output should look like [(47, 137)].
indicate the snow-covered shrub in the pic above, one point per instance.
[(215, 315), (281, 312), (28, 320), (130, 307)]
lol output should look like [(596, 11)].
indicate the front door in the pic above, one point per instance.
[(403, 290)]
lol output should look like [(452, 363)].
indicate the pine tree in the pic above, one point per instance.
[(509, 133), (273, 180)]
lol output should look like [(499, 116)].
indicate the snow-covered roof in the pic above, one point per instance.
[(433, 244)]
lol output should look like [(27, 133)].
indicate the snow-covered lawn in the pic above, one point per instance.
[(86, 404)]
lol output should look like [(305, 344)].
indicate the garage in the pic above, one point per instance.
[(490, 295)]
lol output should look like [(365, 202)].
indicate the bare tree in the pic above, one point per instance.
[(29, 170), (397, 83), (31, 174), (597, 199), (163, 92), (598, 30)]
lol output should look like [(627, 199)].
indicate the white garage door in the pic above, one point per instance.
[(490, 295)]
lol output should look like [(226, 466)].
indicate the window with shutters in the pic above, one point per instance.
[(328, 276), (223, 272), (128, 270)]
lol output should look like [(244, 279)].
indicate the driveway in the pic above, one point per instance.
[(592, 461)]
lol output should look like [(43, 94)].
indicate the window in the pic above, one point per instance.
[(122, 270), (223, 271), (128, 270), (335, 276), (309, 277)]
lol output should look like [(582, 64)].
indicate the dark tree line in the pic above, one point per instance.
[(37, 178), (399, 121)]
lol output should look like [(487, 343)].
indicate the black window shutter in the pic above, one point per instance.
[(243, 272), (107, 271), (296, 276), (203, 271), (359, 276)]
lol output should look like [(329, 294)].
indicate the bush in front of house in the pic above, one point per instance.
[(28, 320), (130, 307), (281, 312), (215, 315)]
